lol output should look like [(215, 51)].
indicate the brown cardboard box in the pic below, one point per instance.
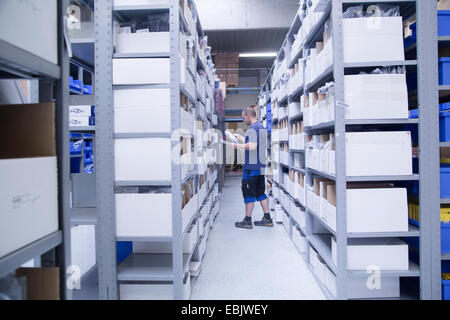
[(444, 5), (324, 138), (221, 66), (233, 57), (27, 131), (305, 101), (233, 66), (221, 55), (42, 283), (317, 186), (222, 76), (314, 96), (319, 47), (220, 62), (292, 175), (301, 179), (302, 128), (232, 79), (223, 87), (331, 194)]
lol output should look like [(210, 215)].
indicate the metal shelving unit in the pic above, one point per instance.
[(429, 270), (16, 63), (149, 267)]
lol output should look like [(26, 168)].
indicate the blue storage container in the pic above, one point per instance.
[(75, 147), (75, 164), (88, 158), (445, 289), (445, 237), (444, 71), (75, 136), (443, 22), (87, 89), (445, 182), (88, 145), (414, 114), (124, 249), (444, 106), (444, 126), (88, 169)]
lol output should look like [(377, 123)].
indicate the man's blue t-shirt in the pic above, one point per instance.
[(255, 159)]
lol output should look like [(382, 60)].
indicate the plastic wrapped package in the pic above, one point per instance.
[(354, 12), (159, 22), (382, 10)]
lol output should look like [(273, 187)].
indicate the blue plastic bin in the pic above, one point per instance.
[(414, 114), (444, 23), (444, 71), (444, 126), (124, 249), (445, 182), (75, 147), (87, 89), (444, 106), (88, 145), (445, 289), (89, 158), (445, 237), (75, 164)]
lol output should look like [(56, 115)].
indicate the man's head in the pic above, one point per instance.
[(249, 115)]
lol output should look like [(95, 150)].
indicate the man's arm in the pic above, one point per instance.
[(248, 146)]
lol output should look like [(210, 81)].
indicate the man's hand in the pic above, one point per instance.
[(240, 138)]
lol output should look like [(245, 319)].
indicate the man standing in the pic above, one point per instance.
[(253, 180)]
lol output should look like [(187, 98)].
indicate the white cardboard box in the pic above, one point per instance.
[(385, 253), (373, 39), (144, 42), (31, 25), (141, 109), (28, 201), (141, 71), (143, 159), (377, 210), (149, 214), (376, 96), (140, 2), (378, 153), (81, 111)]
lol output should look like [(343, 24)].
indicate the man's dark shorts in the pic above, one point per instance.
[(253, 186)]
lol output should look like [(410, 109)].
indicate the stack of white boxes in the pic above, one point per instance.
[(81, 116), (371, 208), (142, 106), (377, 207)]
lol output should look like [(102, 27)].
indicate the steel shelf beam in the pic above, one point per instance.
[(24, 64), (148, 267), (17, 258), (82, 100), (83, 216)]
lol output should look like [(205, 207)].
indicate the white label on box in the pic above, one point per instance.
[(28, 201)]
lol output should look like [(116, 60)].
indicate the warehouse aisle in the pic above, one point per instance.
[(261, 263)]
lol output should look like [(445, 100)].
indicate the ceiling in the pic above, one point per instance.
[(249, 40)]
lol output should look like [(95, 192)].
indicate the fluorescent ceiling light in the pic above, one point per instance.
[(258, 55)]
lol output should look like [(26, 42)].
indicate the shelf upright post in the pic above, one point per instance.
[(429, 198), (105, 229), (177, 233), (63, 252), (339, 129)]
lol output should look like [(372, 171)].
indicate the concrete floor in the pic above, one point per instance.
[(261, 263)]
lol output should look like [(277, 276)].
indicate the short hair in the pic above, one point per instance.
[(250, 111)]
